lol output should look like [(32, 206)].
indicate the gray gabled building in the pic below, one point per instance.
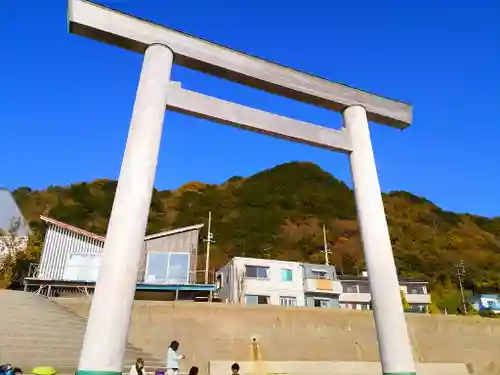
[(14, 229), (10, 213)]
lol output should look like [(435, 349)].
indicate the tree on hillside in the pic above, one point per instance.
[(31, 254), (10, 240), (433, 308), (406, 305), (11, 243), (16, 253)]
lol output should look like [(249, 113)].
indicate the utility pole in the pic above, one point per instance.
[(209, 240), (325, 250), (461, 271)]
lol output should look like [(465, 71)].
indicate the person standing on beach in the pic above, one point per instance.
[(173, 358)]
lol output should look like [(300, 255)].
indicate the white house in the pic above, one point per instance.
[(252, 281), (261, 281)]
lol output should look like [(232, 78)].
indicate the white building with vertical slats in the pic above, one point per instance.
[(71, 258), (69, 253)]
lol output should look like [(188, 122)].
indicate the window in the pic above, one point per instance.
[(288, 301), (167, 268), (418, 308), (364, 288), (256, 300), (319, 274), (82, 267), (218, 282), (321, 303), (350, 287), (491, 304), (157, 268), (415, 289), (286, 275), (256, 272), (178, 268)]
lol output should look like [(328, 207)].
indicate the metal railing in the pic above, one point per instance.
[(33, 270), (193, 277)]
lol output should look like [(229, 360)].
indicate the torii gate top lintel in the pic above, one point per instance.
[(103, 24)]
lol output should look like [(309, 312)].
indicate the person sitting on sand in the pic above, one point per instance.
[(138, 367)]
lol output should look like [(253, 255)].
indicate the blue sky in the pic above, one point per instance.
[(66, 100)]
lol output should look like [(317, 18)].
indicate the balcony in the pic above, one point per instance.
[(327, 286), (413, 299), (418, 298), (355, 298)]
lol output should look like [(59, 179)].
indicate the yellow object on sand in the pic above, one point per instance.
[(44, 370)]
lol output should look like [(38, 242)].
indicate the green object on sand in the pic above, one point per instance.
[(44, 370)]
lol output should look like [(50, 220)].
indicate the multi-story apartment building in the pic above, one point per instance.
[(356, 293), (264, 281), (261, 281)]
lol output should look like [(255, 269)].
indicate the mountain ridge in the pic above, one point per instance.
[(279, 213)]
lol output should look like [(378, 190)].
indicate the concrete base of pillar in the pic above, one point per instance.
[(92, 372)]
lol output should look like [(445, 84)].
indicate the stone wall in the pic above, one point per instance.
[(225, 332)]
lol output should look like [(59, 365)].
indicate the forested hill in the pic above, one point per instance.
[(278, 213)]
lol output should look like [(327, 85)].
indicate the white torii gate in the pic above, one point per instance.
[(109, 319)]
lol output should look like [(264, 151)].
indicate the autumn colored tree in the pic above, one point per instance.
[(406, 305), (433, 309), (17, 253)]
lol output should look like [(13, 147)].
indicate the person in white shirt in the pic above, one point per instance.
[(173, 359)]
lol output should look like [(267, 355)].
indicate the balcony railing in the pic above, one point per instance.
[(322, 285), (194, 277)]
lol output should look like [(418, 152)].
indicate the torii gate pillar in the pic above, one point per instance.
[(393, 340), (106, 335)]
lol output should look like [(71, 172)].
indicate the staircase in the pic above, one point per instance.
[(35, 331)]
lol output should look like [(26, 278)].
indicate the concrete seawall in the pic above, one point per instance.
[(209, 332)]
